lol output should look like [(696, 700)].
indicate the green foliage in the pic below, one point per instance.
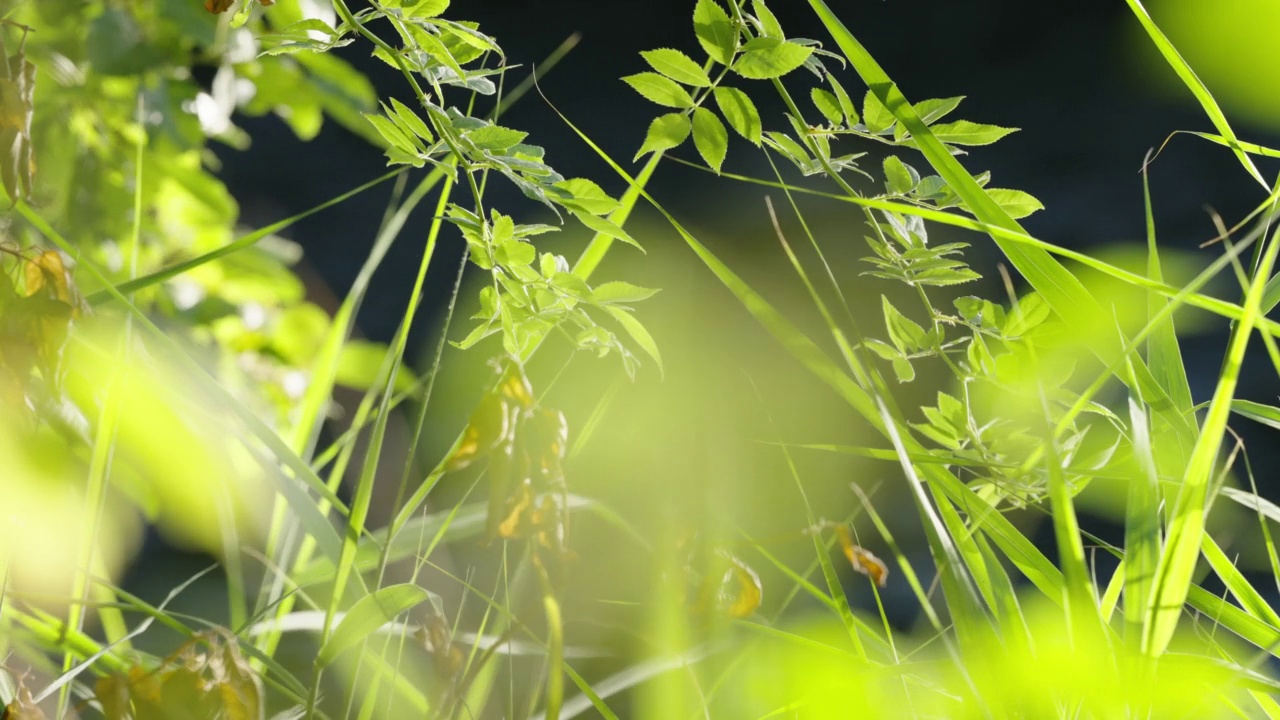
[(102, 432)]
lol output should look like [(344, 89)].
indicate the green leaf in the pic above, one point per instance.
[(1030, 311), (906, 335), (931, 111), (963, 132), (903, 370), (1015, 202), (585, 195), (875, 115), (421, 8), (605, 227), (766, 58), (411, 120), (898, 178), (514, 252), (715, 31), (665, 132), (618, 291), (661, 90), (827, 104), (846, 104), (392, 133), (369, 614), (495, 137), (740, 112), (677, 66), (710, 137), (769, 25), (360, 366), (637, 332)]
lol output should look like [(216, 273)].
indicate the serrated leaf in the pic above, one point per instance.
[(846, 104), (605, 227), (495, 137), (897, 178), (930, 111), (585, 195), (828, 104), (715, 31), (424, 8), (963, 132), (394, 136), (710, 137), (769, 24), (677, 66), (637, 331), (618, 291), (661, 90), (409, 119), (369, 614), (1015, 202), (740, 112), (875, 115), (514, 252), (767, 58), (665, 132)]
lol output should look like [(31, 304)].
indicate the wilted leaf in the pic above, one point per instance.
[(23, 706), (489, 426), (740, 591), (861, 559)]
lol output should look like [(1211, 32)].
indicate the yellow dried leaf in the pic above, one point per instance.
[(490, 425), (862, 560), (23, 706), (741, 591)]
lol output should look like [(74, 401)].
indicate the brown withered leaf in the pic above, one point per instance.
[(490, 425), (17, 93), (23, 706), (514, 386), (862, 559), (206, 678)]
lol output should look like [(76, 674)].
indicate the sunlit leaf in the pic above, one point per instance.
[(710, 138), (677, 66), (740, 112), (367, 615), (665, 132)]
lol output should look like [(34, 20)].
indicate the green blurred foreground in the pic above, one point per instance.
[(825, 493)]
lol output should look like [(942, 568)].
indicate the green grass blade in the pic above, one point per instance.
[(1141, 529), (313, 521), (103, 296), (1197, 88), (1186, 530), (1163, 354)]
